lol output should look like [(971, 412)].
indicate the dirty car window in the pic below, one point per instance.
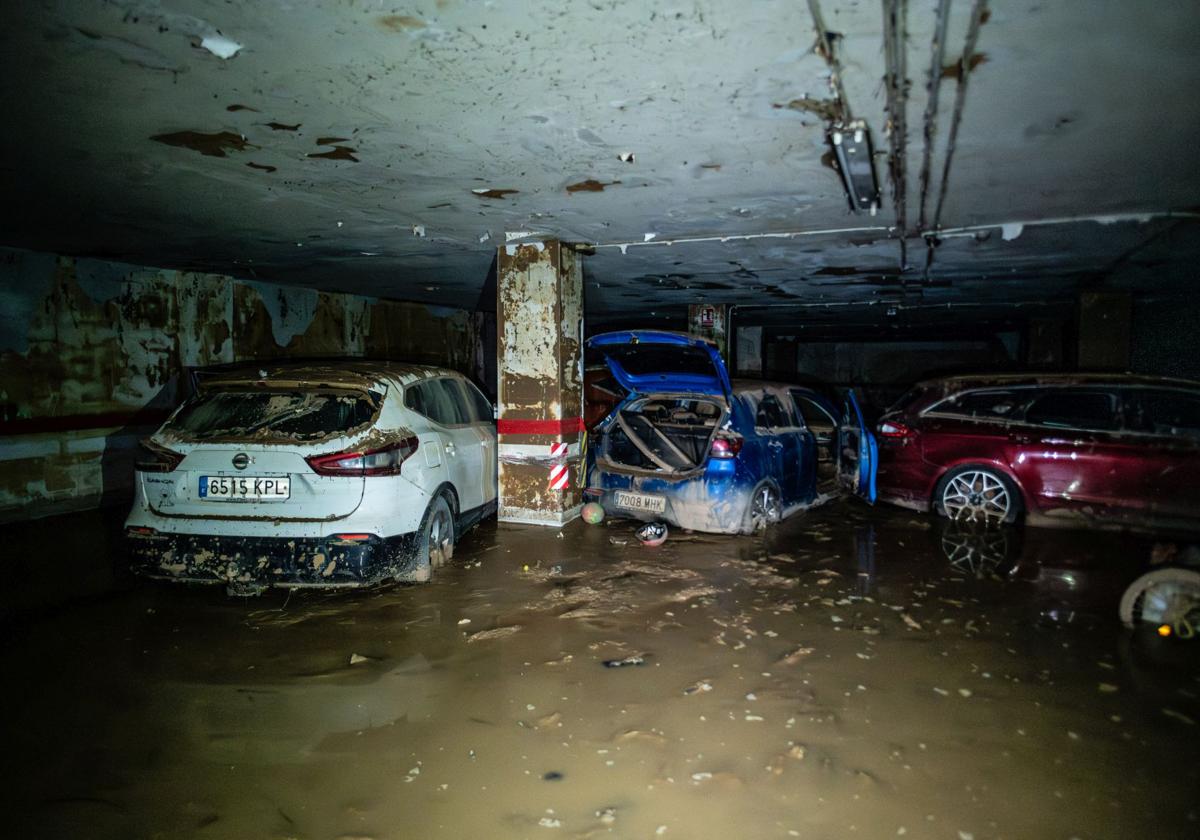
[(484, 412), (303, 415), (1168, 413), (771, 414), (439, 400), (999, 404), (1075, 409)]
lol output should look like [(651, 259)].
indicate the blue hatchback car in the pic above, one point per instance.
[(688, 446)]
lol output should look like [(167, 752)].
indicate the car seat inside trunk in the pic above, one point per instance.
[(663, 434)]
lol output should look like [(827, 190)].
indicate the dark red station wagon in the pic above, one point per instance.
[(1109, 448)]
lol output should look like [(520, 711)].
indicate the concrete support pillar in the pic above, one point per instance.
[(539, 333), (708, 320), (1105, 326)]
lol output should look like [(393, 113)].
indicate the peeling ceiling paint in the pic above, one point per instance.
[(335, 129)]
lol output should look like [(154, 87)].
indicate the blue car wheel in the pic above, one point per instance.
[(764, 509)]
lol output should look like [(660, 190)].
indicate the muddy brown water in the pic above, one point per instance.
[(857, 672)]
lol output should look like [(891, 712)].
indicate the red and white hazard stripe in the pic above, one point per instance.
[(559, 477), (557, 450)]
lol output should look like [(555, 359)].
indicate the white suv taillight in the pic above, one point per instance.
[(383, 461), (156, 459)]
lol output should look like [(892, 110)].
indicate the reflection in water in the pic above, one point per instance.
[(857, 671), (978, 552), (864, 550), (1071, 576)]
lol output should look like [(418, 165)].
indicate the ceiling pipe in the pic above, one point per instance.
[(826, 50), (978, 13), (945, 233), (937, 58), (741, 237), (895, 36), (896, 304), (1102, 219)]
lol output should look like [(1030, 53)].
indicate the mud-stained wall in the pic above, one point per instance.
[(93, 356)]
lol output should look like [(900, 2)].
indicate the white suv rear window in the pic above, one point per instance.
[(302, 415)]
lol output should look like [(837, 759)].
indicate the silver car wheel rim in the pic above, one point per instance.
[(441, 538), (764, 509), (977, 496)]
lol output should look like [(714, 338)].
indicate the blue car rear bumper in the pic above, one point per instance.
[(705, 502)]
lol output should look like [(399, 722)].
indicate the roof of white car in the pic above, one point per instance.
[(347, 374)]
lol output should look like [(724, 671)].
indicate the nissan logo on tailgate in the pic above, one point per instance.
[(241, 460)]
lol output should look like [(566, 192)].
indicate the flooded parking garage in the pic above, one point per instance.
[(387, 321), (857, 672)]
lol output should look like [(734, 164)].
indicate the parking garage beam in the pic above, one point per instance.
[(539, 329)]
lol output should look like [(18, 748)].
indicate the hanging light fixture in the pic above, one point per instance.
[(852, 148)]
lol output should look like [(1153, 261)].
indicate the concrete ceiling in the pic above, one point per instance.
[(387, 148)]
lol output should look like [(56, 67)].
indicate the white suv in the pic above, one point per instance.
[(342, 474)]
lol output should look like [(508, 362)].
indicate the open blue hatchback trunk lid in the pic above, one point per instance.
[(654, 361)]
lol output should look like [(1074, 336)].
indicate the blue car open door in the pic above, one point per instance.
[(858, 451)]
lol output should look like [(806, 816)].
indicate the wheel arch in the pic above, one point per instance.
[(984, 463), (447, 489)]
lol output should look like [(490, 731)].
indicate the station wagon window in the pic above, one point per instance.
[(439, 400), (991, 404), (771, 413), (1167, 412), (1075, 409), (909, 398)]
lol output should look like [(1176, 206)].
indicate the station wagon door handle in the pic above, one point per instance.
[(1021, 438)]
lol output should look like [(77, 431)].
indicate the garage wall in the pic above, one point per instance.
[(881, 370), (1164, 336), (93, 356)]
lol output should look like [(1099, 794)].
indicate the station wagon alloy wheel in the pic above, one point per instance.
[(977, 496)]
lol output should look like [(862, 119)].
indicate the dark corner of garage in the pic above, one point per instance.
[(625, 419)]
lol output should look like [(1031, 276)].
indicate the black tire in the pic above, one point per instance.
[(978, 495), (435, 545), (763, 509)]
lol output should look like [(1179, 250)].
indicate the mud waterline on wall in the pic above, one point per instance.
[(95, 354)]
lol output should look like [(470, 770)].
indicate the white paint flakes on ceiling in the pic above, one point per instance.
[(347, 127)]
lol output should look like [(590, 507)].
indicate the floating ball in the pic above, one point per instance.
[(593, 513)]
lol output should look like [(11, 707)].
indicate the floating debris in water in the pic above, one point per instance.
[(633, 659)]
